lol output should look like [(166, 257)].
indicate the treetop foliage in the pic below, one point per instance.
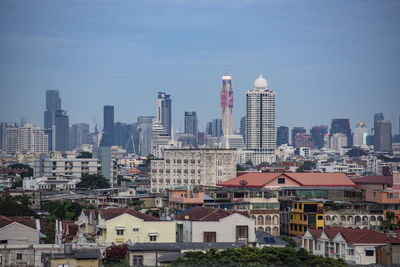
[(93, 181), (254, 257)]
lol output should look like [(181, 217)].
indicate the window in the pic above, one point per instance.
[(19, 256), (120, 232), (374, 194), (295, 227), (320, 217), (281, 180), (3, 241), (300, 206), (1, 259), (209, 237), (62, 265), (136, 229), (291, 227), (291, 216), (295, 205), (369, 252), (300, 228), (137, 260), (153, 238), (242, 233)]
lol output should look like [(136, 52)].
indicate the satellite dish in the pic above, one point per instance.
[(186, 217)]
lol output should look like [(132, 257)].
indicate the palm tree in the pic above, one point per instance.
[(389, 224)]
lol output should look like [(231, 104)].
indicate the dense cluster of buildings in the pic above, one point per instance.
[(332, 189)]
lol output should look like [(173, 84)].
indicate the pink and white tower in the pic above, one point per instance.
[(227, 105)]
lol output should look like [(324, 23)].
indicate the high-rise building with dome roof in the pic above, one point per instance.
[(260, 122)]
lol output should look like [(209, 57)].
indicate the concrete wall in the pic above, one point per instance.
[(18, 234), (165, 230), (225, 228)]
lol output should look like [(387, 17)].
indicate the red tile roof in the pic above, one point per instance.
[(207, 214), (24, 220), (304, 179), (111, 213), (355, 236), (374, 180)]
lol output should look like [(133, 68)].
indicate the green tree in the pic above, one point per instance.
[(84, 155), (239, 168), (93, 181), (63, 210), (148, 160), (136, 204), (49, 229), (307, 166), (288, 239), (389, 224), (251, 256), (15, 206)]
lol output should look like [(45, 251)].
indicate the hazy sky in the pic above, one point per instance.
[(325, 59)]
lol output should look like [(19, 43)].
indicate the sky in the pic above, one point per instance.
[(324, 59)]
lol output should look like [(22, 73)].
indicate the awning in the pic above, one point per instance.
[(101, 226), (153, 234), (370, 249), (120, 228)]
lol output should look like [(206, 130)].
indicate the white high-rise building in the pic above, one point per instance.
[(26, 139), (260, 123), (360, 134), (227, 105), (338, 141)]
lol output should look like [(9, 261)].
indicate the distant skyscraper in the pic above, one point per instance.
[(360, 134), (80, 133), (3, 127), (342, 126), (216, 128), (108, 130), (227, 105), (282, 135), (260, 121), (383, 136), (53, 103), (295, 131), (62, 130), (318, 133), (145, 125), (164, 111), (303, 140), (243, 127), (378, 117), (191, 123), (32, 140)]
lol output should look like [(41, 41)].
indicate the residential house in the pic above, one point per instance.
[(75, 258), (21, 230), (355, 246), (202, 224), (119, 225)]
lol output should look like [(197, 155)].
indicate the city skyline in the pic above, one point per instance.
[(303, 49)]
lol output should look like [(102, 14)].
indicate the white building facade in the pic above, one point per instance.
[(360, 134), (179, 167), (260, 122)]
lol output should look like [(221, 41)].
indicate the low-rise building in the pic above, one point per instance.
[(21, 230), (180, 167), (68, 168), (306, 215), (355, 246), (118, 225), (201, 224)]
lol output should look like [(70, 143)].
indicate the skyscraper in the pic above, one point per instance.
[(145, 124), (360, 134), (342, 126), (80, 133), (191, 123), (53, 103), (164, 111), (3, 128), (383, 136), (227, 105), (282, 135), (260, 122), (318, 133), (295, 131), (108, 130), (62, 130), (303, 140), (243, 127)]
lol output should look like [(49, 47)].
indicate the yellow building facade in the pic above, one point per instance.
[(126, 227), (75, 262), (305, 215)]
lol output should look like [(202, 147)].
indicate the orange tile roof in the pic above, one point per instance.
[(304, 179)]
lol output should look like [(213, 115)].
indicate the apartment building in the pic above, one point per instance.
[(206, 167)]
